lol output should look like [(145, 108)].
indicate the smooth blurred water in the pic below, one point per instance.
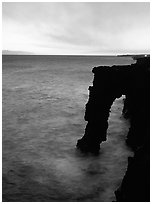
[(44, 101)]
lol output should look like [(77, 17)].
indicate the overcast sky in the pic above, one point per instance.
[(76, 28)]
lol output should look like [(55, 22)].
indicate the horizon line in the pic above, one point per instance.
[(128, 54)]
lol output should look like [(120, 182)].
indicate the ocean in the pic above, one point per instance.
[(43, 103)]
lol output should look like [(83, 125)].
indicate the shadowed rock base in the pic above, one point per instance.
[(135, 186)]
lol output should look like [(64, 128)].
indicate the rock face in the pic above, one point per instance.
[(135, 186), (110, 83)]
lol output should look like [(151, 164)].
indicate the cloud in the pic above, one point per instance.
[(54, 28)]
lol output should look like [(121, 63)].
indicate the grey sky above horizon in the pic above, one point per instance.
[(76, 28)]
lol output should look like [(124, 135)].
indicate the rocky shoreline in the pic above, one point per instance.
[(110, 83)]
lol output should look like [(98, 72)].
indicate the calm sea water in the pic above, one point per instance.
[(44, 101)]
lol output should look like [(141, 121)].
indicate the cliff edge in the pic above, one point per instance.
[(110, 83)]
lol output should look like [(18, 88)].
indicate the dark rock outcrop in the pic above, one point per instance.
[(135, 186), (110, 83)]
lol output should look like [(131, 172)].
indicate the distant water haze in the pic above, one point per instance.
[(44, 101)]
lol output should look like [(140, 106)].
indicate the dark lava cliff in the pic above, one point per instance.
[(110, 83)]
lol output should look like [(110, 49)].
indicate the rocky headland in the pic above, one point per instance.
[(110, 83)]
